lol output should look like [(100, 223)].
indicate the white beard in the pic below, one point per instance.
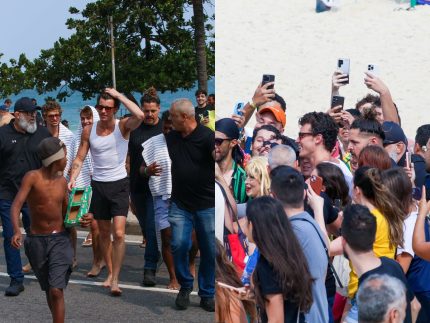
[(27, 126)]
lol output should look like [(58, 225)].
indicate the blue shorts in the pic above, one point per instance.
[(161, 211)]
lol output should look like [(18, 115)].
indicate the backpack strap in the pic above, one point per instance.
[(325, 248)]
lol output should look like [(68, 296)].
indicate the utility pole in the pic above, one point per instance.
[(112, 46)]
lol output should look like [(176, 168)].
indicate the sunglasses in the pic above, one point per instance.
[(219, 141), (52, 116), (304, 134), (101, 107)]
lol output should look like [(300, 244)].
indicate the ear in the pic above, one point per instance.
[(318, 139), (373, 140)]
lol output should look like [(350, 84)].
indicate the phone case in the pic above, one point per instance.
[(343, 65), (238, 108), (374, 69), (79, 203), (337, 100), (316, 184), (268, 78)]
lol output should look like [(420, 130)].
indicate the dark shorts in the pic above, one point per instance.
[(51, 257), (110, 199)]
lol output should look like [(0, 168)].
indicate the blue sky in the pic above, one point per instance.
[(27, 26)]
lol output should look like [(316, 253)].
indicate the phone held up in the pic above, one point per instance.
[(337, 100), (343, 65), (373, 69), (316, 184), (267, 78), (238, 108)]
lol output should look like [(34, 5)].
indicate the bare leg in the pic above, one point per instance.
[(106, 248), (58, 311), (74, 238), (118, 251), (193, 252), (166, 236), (98, 262)]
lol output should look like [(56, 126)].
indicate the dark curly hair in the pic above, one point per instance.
[(369, 98), (322, 124)]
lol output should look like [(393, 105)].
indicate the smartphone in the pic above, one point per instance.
[(316, 184), (238, 108), (408, 159), (205, 114), (343, 65), (337, 100), (373, 69), (229, 287), (268, 78)]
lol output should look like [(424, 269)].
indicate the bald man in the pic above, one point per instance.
[(191, 149)]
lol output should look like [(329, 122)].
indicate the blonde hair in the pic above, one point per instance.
[(257, 168)]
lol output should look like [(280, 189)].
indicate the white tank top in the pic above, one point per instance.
[(109, 154)]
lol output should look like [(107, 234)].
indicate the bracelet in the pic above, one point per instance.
[(252, 104)]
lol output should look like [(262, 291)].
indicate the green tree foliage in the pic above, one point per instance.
[(154, 46)]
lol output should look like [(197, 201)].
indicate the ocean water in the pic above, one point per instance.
[(75, 102)]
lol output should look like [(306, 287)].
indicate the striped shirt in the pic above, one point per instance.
[(66, 136), (155, 150), (237, 185)]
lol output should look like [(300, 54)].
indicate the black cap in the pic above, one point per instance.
[(393, 133), (24, 104), (50, 149), (228, 127)]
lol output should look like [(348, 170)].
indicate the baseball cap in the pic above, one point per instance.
[(393, 133), (228, 127), (24, 104), (4, 107), (277, 112), (50, 150)]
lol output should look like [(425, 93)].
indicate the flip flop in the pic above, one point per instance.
[(87, 243)]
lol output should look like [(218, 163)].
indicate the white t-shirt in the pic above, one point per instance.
[(219, 213), (408, 232), (347, 174)]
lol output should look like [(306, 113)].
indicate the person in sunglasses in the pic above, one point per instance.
[(108, 139), (229, 157), (18, 143)]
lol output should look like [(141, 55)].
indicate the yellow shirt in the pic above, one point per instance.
[(381, 248)]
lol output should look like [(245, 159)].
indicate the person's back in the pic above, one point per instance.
[(307, 231)]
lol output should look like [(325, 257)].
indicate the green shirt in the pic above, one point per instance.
[(238, 183)]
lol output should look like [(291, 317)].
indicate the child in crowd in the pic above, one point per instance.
[(48, 246)]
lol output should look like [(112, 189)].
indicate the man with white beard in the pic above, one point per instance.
[(18, 145)]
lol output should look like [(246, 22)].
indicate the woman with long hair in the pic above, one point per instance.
[(281, 280), (334, 183), (229, 308), (257, 177), (370, 191)]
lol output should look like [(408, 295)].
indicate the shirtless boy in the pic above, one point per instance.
[(48, 243)]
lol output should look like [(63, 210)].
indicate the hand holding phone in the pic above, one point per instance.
[(337, 100), (343, 65), (373, 69), (267, 78), (316, 184), (238, 108)]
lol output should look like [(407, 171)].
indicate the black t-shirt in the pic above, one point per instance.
[(193, 174), (392, 268), (200, 113), (269, 284), (18, 155), (138, 183)]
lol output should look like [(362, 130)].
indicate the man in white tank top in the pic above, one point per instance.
[(108, 140)]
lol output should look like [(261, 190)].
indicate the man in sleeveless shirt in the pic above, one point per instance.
[(108, 140)]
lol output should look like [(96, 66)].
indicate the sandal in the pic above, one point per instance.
[(87, 243)]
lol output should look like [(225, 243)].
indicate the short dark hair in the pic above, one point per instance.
[(165, 116), (267, 127), (201, 91), (86, 111), (211, 95), (423, 135), (367, 123), (281, 101), (359, 227), (7, 101), (288, 185), (369, 98), (322, 124), (106, 96), (150, 96)]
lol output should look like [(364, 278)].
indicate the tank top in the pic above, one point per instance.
[(109, 154)]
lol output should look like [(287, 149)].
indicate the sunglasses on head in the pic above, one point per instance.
[(100, 107)]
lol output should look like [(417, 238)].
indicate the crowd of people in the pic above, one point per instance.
[(142, 161), (330, 226)]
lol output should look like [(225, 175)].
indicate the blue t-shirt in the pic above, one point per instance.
[(419, 270)]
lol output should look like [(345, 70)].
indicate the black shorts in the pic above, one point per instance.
[(51, 257), (110, 199)]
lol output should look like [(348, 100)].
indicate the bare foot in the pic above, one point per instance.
[(95, 270), (115, 290), (26, 268), (173, 285), (108, 282)]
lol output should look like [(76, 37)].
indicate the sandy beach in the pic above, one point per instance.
[(301, 47)]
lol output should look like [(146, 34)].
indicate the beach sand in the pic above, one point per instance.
[(301, 47)]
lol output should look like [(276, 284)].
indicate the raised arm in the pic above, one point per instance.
[(127, 124), (419, 244), (388, 108), (18, 202), (83, 149)]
